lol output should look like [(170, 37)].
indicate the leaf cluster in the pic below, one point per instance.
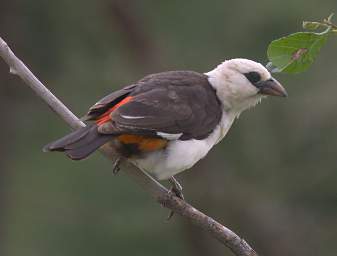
[(296, 52)]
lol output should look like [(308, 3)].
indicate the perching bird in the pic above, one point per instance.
[(166, 122)]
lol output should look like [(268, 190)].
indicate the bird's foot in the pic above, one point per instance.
[(115, 166), (177, 190)]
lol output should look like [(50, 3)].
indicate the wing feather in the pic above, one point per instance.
[(107, 102), (177, 102)]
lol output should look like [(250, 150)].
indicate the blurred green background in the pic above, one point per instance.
[(273, 179)]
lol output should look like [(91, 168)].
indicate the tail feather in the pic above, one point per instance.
[(80, 143), (85, 150), (69, 139)]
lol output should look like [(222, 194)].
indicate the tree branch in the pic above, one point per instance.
[(238, 246)]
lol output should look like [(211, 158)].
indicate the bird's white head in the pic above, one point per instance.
[(242, 83)]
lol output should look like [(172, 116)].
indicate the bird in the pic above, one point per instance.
[(166, 122)]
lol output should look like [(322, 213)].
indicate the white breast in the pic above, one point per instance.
[(181, 155)]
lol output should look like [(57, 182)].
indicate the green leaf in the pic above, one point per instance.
[(295, 53)]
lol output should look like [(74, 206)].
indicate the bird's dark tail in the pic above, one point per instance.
[(80, 143)]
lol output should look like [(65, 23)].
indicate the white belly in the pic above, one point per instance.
[(181, 155)]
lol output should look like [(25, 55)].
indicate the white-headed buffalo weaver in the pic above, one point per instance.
[(166, 122)]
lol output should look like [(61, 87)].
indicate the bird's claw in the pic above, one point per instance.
[(177, 190), (115, 166)]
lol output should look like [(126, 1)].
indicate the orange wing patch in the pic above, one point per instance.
[(144, 143), (106, 116)]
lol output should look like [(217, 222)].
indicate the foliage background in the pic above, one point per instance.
[(273, 179)]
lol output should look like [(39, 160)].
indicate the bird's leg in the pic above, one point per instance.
[(177, 190), (115, 165)]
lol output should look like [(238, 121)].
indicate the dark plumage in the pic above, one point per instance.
[(176, 102)]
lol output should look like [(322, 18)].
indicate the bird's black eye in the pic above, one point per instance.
[(253, 77)]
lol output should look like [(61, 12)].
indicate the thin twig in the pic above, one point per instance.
[(329, 23), (238, 246)]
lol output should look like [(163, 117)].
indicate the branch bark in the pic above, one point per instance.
[(224, 235)]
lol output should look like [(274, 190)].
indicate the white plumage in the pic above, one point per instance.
[(180, 155)]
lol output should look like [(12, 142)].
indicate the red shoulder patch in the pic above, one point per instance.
[(105, 117)]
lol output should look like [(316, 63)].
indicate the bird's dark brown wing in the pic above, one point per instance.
[(176, 102), (107, 102)]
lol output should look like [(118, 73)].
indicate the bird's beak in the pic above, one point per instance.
[(272, 87)]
